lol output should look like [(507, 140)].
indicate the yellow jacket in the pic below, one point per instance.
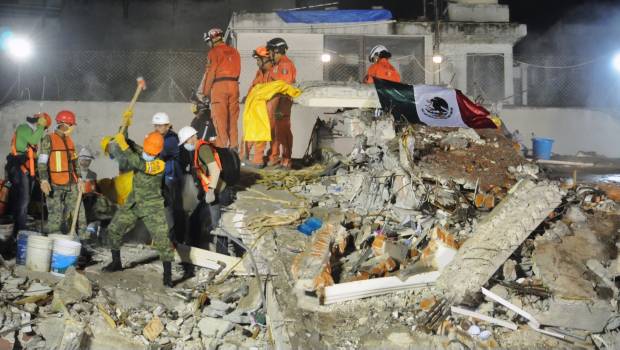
[(255, 117)]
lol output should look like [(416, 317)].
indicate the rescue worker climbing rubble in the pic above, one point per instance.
[(145, 202), (60, 176), (220, 84), (381, 67), (214, 192), (283, 69), (263, 75), (20, 165)]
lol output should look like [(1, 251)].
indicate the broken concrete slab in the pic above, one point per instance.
[(214, 327), (497, 236), (575, 314), (74, 287)]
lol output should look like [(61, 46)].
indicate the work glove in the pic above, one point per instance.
[(42, 122), (104, 143), (46, 188), (121, 141), (127, 117), (155, 167), (210, 196)]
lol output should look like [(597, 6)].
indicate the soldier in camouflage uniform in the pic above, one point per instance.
[(145, 201), (60, 178)]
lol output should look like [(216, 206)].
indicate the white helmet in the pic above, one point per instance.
[(376, 51), (185, 133), (85, 153), (161, 118)]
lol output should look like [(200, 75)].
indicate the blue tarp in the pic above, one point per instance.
[(335, 16)]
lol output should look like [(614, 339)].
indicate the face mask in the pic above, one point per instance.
[(147, 157), (189, 147)]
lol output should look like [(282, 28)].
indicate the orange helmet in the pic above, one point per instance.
[(153, 143), (261, 51), (65, 117), (47, 117)]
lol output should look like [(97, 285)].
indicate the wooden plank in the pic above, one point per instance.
[(563, 162), (485, 318), (376, 286), (208, 259)]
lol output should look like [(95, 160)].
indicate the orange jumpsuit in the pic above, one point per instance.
[(221, 84), (382, 69), (283, 70), (259, 146)]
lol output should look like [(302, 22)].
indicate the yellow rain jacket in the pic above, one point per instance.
[(255, 118)]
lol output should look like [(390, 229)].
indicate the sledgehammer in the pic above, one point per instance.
[(141, 85)]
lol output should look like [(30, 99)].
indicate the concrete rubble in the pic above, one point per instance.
[(429, 238)]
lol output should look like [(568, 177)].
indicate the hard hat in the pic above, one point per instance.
[(46, 116), (376, 51), (66, 117), (104, 143), (277, 45), (153, 143), (161, 118), (261, 51), (85, 153), (213, 33), (185, 133)]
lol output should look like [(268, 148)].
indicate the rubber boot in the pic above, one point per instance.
[(188, 270), (167, 273), (115, 265)]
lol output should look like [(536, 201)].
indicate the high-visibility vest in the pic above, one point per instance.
[(62, 155), (89, 186), (27, 167), (201, 170)]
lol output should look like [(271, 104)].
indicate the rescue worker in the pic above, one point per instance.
[(381, 67), (20, 165), (60, 176), (145, 202), (173, 175), (221, 85), (263, 75), (283, 69), (89, 177), (213, 191)]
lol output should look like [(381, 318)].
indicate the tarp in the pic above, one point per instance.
[(256, 125), (334, 16), (432, 105)]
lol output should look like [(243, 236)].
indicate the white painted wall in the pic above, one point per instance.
[(572, 129)]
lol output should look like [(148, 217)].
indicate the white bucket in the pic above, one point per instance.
[(39, 253), (64, 254)]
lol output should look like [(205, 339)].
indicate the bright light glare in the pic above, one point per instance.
[(326, 57), (437, 59), (616, 62), (19, 48)]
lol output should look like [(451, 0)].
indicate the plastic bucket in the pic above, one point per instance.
[(22, 245), (38, 253), (64, 254), (542, 147)]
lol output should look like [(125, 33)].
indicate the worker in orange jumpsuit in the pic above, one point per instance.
[(263, 75), (283, 69), (381, 67), (221, 85)]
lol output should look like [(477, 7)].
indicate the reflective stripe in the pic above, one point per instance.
[(58, 159), (43, 158)]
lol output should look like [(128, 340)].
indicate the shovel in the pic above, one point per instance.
[(75, 214)]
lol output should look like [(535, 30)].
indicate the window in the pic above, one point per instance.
[(485, 76)]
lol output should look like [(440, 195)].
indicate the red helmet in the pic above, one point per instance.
[(47, 117), (213, 33), (65, 117)]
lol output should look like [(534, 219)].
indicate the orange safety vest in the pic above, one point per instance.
[(201, 172), (30, 151), (89, 186), (61, 159)]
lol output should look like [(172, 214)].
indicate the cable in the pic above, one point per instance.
[(563, 67)]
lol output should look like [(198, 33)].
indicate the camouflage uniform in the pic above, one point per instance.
[(145, 202), (61, 201)]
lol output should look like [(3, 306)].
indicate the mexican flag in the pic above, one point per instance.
[(431, 105)]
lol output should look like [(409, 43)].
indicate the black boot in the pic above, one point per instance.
[(188, 271), (168, 274), (115, 265)]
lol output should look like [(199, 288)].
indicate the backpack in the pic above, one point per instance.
[(231, 165)]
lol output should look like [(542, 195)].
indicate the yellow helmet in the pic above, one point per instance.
[(104, 143)]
